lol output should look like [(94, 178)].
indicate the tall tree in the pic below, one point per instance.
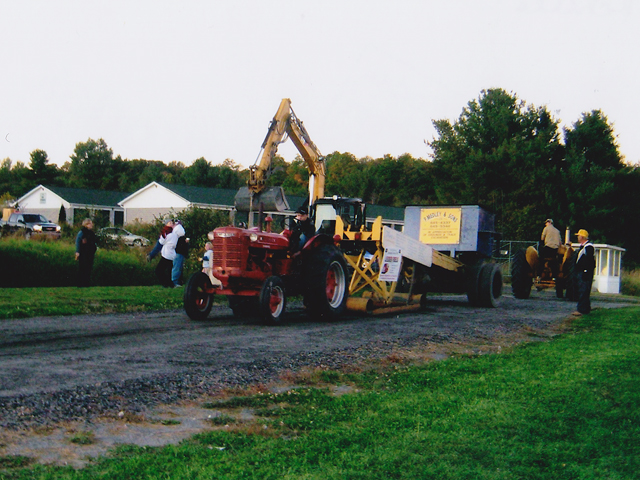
[(93, 166), (42, 171), (501, 154), (593, 172)]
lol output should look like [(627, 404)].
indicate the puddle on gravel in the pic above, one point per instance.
[(164, 425), (56, 445)]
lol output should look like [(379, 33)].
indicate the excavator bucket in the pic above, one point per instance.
[(272, 199)]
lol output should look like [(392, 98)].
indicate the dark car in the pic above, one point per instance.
[(31, 224)]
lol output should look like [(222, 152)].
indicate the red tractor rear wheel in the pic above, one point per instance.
[(326, 276)]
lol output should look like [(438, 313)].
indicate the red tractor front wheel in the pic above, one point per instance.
[(273, 301), (198, 296)]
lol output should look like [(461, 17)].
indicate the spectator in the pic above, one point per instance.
[(585, 266), (182, 250), (166, 230), (207, 264), (85, 252), (168, 255)]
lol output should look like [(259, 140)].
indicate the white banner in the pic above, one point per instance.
[(391, 264)]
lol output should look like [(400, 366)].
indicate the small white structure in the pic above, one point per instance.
[(606, 277)]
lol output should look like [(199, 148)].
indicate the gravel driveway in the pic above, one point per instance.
[(56, 369)]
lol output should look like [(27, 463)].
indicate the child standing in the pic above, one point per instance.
[(207, 264)]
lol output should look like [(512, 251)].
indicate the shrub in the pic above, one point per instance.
[(630, 282), (52, 264)]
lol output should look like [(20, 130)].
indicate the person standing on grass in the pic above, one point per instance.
[(168, 255), (85, 252), (182, 250), (166, 230), (585, 266)]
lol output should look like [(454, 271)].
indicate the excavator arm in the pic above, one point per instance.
[(285, 124)]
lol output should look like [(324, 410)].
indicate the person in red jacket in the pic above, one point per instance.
[(166, 230)]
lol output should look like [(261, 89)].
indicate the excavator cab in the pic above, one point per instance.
[(352, 213)]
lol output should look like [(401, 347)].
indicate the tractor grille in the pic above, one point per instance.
[(228, 252)]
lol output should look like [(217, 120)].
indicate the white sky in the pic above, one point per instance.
[(181, 80)]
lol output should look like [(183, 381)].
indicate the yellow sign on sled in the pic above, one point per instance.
[(440, 226)]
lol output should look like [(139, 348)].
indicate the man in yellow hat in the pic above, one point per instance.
[(585, 265)]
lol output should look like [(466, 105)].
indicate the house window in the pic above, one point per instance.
[(43, 197)]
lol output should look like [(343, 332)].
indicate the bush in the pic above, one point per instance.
[(630, 282), (52, 264)]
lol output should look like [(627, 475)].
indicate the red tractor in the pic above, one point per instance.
[(257, 267)]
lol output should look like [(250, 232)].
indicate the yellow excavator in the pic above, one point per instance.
[(285, 124)]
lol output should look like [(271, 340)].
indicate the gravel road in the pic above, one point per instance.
[(56, 369)]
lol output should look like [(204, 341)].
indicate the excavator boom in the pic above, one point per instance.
[(285, 124)]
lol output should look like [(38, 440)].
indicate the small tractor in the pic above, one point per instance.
[(555, 272)]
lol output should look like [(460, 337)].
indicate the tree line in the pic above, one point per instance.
[(501, 153)]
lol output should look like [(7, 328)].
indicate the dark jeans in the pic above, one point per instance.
[(85, 265), (155, 251), (163, 272), (584, 293), (176, 272)]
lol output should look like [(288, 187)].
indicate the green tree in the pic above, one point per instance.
[(501, 154), (345, 175), (297, 178), (198, 174), (42, 172), (93, 166), (595, 177), (15, 179), (398, 181)]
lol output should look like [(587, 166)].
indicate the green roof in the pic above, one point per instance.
[(85, 196)]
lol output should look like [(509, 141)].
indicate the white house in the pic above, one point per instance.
[(158, 200), (47, 200)]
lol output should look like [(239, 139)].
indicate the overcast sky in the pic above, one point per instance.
[(180, 80)]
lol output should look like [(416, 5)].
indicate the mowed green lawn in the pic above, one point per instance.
[(568, 408), (35, 302)]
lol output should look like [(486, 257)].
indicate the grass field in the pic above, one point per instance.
[(563, 409), (34, 302)]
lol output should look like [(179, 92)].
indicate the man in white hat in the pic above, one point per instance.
[(585, 265)]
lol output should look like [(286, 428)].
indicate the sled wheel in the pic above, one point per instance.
[(490, 286)]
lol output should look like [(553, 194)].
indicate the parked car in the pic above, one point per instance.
[(121, 235), (31, 224)]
